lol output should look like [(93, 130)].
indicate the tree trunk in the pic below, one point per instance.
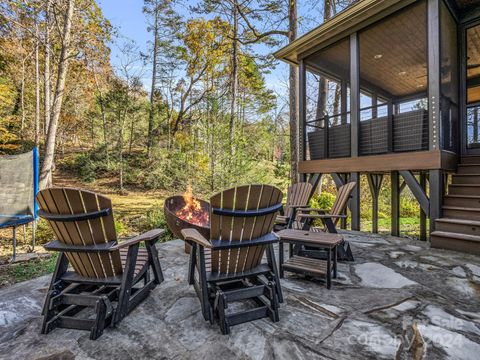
[(336, 105), (234, 79), (46, 70), (323, 83), (48, 161), (152, 88), (102, 113), (37, 88), (22, 100), (293, 80), (132, 124)]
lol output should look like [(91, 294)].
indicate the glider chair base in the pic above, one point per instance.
[(258, 287), (92, 304)]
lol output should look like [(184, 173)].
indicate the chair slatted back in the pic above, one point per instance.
[(297, 194), (67, 201), (239, 228), (341, 200)]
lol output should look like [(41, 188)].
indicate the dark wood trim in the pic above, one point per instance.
[(395, 203), (436, 196), (354, 93), (423, 215), (433, 25), (420, 160), (355, 202), (302, 111), (375, 184)]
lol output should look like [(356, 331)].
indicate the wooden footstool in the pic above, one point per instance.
[(305, 265)]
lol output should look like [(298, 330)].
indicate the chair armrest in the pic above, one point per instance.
[(193, 235), (322, 216), (148, 236), (308, 209), (298, 206), (96, 248)]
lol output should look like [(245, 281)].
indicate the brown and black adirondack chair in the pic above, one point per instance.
[(229, 266), (109, 276), (298, 196), (329, 219)]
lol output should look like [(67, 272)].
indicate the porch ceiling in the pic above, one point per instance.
[(465, 4), (393, 54)]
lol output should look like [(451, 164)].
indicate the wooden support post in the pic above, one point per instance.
[(375, 183), (395, 203), (354, 94), (433, 26), (423, 215), (302, 114), (436, 196), (355, 202)]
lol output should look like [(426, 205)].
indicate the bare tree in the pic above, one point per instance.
[(46, 68), (48, 161)]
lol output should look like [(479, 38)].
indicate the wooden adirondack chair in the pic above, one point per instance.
[(104, 270), (329, 219), (298, 196), (228, 267)]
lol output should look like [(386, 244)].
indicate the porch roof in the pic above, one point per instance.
[(353, 18)]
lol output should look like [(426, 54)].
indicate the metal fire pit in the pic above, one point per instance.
[(172, 205)]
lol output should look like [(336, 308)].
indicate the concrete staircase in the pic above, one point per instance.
[(459, 228)]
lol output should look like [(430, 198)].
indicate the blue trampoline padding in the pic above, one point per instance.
[(14, 220)]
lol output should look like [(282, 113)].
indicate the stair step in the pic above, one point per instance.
[(470, 160), (465, 179), (468, 169), (461, 226), (455, 241), (464, 189), (469, 201), (459, 212)]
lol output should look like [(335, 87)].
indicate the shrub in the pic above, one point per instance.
[(323, 201), (86, 168)]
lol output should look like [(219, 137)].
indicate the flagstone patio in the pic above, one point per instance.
[(398, 299)]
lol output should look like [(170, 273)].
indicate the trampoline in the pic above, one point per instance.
[(18, 189)]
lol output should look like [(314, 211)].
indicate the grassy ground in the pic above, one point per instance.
[(409, 226)]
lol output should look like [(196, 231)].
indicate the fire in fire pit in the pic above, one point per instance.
[(192, 211), (182, 212)]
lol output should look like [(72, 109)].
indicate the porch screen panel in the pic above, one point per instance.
[(473, 86), (393, 70), (328, 116)]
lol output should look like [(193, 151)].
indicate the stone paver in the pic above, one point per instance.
[(399, 299)]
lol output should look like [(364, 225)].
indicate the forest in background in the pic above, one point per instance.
[(206, 117)]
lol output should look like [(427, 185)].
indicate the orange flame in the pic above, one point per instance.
[(192, 211)]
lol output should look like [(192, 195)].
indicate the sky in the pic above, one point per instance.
[(128, 18)]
